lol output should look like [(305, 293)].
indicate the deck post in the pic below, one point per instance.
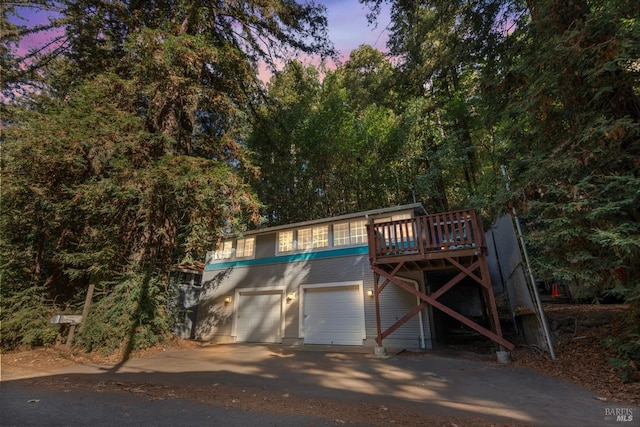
[(489, 296), (376, 290)]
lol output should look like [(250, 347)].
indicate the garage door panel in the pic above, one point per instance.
[(333, 315), (259, 317)]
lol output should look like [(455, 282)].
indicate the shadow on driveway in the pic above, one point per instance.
[(341, 386)]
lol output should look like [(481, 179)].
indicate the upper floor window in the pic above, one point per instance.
[(285, 241), (350, 233), (224, 250), (313, 238), (303, 239), (321, 237), (341, 234), (358, 231), (245, 247)]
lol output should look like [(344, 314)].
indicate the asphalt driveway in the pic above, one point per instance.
[(429, 385)]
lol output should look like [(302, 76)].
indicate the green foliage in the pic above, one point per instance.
[(551, 89), (323, 149), (131, 316), (150, 135), (106, 194), (24, 319), (580, 127), (625, 346), (130, 157)]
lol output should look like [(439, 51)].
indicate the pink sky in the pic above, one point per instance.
[(348, 27)]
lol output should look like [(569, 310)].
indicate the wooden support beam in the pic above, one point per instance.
[(468, 271), (72, 331), (404, 320), (494, 336), (450, 284), (433, 242), (393, 273), (484, 269), (498, 339), (376, 291)]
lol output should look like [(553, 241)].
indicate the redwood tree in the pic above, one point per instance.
[(129, 155)]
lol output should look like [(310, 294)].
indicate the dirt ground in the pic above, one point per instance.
[(581, 359), (578, 332)]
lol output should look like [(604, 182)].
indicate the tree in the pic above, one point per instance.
[(322, 149), (139, 159), (574, 102), (561, 95), (551, 90), (577, 92), (369, 79), (445, 51)]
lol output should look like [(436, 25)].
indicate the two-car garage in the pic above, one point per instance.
[(330, 314)]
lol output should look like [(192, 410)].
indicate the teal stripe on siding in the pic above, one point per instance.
[(357, 250)]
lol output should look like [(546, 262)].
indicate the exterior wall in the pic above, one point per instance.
[(266, 245), (394, 304), (216, 318), (227, 281)]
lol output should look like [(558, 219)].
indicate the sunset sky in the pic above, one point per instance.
[(348, 26)]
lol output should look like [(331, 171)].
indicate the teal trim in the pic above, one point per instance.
[(306, 256)]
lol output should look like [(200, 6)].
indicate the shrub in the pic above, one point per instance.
[(25, 319), (131, 316)]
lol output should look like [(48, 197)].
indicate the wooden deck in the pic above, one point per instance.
[(446, 241), (426, 238)]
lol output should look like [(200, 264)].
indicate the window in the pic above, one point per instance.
[(316, 237), (350, 233), (358, 231), (285, 241), (401, 216), (245, 247), (305, 239), (320, 237), (341, 234), (404, 231), (224, 250)]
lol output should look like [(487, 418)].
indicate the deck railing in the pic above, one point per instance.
[(425, 234)]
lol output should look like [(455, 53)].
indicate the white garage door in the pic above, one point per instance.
[(259, 317), (333, 315)]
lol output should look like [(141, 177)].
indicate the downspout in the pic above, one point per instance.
[(418, 301)]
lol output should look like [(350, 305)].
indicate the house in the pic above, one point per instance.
[(318, 282)]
